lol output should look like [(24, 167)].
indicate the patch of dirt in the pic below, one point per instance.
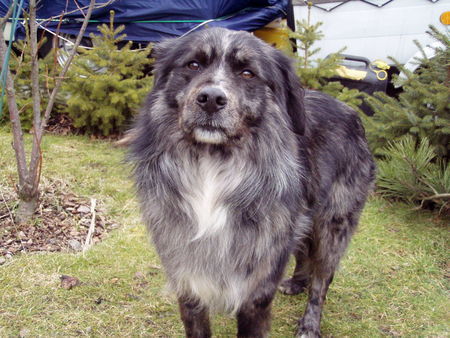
[(60, 124), (61, 222)]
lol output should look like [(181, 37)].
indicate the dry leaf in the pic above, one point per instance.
[(68, 282)]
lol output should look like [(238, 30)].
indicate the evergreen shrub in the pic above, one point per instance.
[(410, 135), (422, 109), (315, 74), (412, 172), (107, 83)]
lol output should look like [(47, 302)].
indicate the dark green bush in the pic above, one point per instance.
[(107, 84)]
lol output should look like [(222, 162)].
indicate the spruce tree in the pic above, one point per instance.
[(410, 135), (107, 82), (315, 73), (422, 109)]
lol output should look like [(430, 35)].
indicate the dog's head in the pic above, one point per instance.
[(222, 84)]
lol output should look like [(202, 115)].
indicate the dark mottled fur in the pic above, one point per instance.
[(230, 189)]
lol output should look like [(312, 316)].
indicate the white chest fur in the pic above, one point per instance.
[(207, 183)]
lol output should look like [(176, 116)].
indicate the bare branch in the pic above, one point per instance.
[(5, 19), (39, 129), (36, 98), (55, 47), (434, 198), (79, 9), (15, 120), (34, 66), (437, 196)]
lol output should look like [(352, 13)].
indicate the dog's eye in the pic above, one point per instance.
[(247, 74), (193, 65)]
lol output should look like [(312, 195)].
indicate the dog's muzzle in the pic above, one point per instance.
[(211, 99)]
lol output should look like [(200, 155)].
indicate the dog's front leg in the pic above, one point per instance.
[(195, 318), (253, 318)]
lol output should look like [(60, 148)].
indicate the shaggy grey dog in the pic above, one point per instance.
[(236, 168)]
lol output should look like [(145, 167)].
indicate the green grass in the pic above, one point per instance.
[(393, 281)]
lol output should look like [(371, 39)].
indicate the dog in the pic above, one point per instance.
[(237, 167)]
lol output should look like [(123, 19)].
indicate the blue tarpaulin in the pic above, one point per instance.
[(154, 20)]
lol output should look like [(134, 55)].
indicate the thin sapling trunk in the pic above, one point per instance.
[(29, 175)]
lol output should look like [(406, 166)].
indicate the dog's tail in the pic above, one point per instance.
[(127, 139)]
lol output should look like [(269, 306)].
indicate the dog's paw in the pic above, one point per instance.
[(292, 287), (308, 329), (307, 333)]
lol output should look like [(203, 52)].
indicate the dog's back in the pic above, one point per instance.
[(335, 136)]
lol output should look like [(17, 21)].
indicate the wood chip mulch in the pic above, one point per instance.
[(60, 124), (61, 222)]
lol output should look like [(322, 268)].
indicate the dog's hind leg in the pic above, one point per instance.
[(195, 318), (299, 281), (329, 243)]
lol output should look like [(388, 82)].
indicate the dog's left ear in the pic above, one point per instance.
[(292, 92)]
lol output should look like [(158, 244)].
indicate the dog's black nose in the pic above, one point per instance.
[(211, 99)]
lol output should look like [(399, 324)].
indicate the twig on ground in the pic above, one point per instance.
[(7, 208), (10, 216), (87, 243), (444, 195)]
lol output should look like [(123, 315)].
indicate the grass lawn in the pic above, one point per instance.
[(392, 282)]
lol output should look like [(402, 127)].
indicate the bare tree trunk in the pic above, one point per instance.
[(29, 177), (29, 194), (26, 209), (27, 205)]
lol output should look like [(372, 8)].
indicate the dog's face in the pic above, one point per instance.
[(221, 83)]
